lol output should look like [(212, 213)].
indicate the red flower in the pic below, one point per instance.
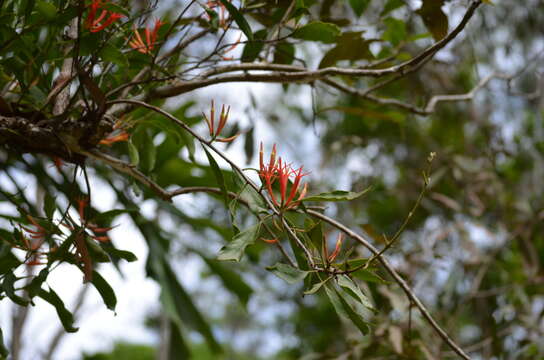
[(223, 117), (110, 139), (95, 24), (282, 171), (150, 38)]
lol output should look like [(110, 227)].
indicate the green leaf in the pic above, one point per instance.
[(369, 276), (248, 194), (96, 252), (344, 309), (284, 53), (108, 216), (122, 254), (337, 195), (239, 19), (253, 48), (9, 289), (349, 46), (177, 347), (114, 55), (46, 9), (395, 31), (8, 261), (346, 282), (230, 279), (65, 316), (184, 306), (218, 175), (143, 141), (133, 154), (105, 290), (35, 285), (359, 6), (288, 273), (49, 205), (434, 18), (317, 31), (235, 249), (315, 287), (3, 350), (391, 5)]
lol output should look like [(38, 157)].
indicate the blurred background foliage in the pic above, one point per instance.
[(473, 251)]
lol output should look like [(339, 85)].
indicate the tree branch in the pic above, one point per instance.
[(426, 314), (288, 73)]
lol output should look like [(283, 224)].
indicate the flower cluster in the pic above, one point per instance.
[(223, 118), (105, 19), (283, 172), (150, 38)]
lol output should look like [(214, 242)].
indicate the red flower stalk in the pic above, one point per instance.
[(95, 24), (223, 118), (337, 248), (282, 171), (150, 38), (230, 48), (37, 236), (82, 204)]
